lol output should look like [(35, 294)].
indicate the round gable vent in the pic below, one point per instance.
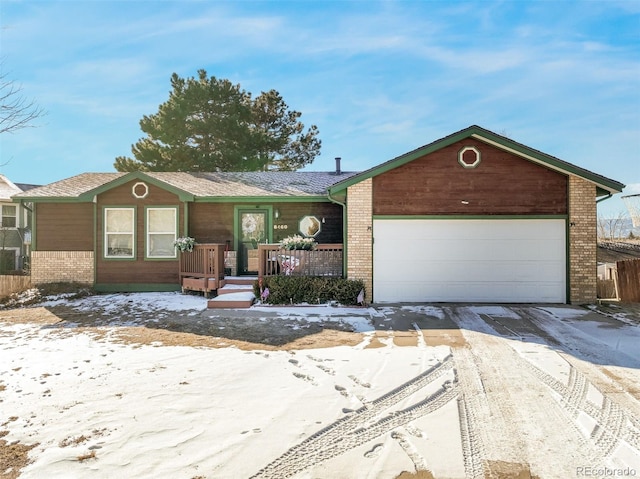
[(469, 157), (140, 190)]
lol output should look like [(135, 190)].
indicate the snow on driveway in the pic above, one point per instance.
[(550, 392)]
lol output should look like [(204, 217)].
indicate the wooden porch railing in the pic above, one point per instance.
[(203, 268), (325, 260)]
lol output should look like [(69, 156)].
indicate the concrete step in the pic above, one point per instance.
[(232, 300), (231, 288), (246, 280)]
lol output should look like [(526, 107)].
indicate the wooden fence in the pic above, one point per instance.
[(628, 280), (13, 284), (607, 289)]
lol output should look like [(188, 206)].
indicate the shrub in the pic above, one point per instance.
[(309, 289), (42, 292)]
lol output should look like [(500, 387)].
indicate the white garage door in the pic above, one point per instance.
[(512, 261)]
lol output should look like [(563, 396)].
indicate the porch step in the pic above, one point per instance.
[(232, 300), (231, 288), (246, 280)]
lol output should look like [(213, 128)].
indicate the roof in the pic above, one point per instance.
[(191, 186), (8, 188), (26, 186), (604, 185), (221, 186), (612, 252)]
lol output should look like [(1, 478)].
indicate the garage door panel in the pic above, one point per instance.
[(470, 260)]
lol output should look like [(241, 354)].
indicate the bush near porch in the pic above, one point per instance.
[(309, 289)]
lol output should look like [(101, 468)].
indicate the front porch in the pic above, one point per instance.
[(203, 269)]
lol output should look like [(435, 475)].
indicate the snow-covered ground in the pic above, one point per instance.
[(550, 391)]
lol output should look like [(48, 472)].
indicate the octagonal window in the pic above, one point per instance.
[(310, 226)]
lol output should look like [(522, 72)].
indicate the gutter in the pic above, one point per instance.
[(344, 231)]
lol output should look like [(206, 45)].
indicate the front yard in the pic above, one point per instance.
[(147, 385)]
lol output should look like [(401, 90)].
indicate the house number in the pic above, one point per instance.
[(280, 227)]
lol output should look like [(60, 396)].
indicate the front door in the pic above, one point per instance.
[(252, 230)]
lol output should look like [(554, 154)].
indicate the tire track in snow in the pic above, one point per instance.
[(472, 410), (613, 422), (518, 410), (363, 425)]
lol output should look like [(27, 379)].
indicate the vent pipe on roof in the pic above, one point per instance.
[(338, 165)]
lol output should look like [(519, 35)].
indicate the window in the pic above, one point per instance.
[(162, 227), (9, 216), (119, 227)]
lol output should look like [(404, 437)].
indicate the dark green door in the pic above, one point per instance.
[(252, 230)]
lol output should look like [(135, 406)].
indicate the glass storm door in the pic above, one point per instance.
[(252, 226)]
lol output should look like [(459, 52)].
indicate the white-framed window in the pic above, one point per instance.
[(119, 233), (9, 216), (162, 231)]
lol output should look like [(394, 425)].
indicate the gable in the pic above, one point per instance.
[(137, 192), (489, 181), (604, 186)]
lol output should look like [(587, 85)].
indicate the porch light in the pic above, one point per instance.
[(276, 213)]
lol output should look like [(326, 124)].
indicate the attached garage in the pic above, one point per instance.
[(483, 260), (473, 217)]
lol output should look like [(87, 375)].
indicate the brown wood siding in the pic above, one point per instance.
[(138, 270), (64, 226), (213, 222), (292, 213), (502, 184)]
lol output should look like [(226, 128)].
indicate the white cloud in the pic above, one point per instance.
[(632, 189)]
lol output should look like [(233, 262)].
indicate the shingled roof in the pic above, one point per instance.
[(201, 185)]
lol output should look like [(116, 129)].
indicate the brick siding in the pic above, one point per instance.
[(360, 234), (62, 267), (582, 241)]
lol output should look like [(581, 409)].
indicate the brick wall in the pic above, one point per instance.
[(582, 241), (360, 234), (62, 266)]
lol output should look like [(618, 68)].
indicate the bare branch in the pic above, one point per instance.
[(16, 112)]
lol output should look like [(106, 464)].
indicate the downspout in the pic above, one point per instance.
[(185, 219), (33, 223), (24, 205), (344, 231), (23, 249), (96, 253), (605, 198)]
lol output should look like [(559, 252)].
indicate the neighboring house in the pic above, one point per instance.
[(472, 217), (15, 227)]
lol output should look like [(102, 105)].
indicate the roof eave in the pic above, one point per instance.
[(262, 199), (551, 162), (602, 183)]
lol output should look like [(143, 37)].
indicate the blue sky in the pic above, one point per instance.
[(377, 78)]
